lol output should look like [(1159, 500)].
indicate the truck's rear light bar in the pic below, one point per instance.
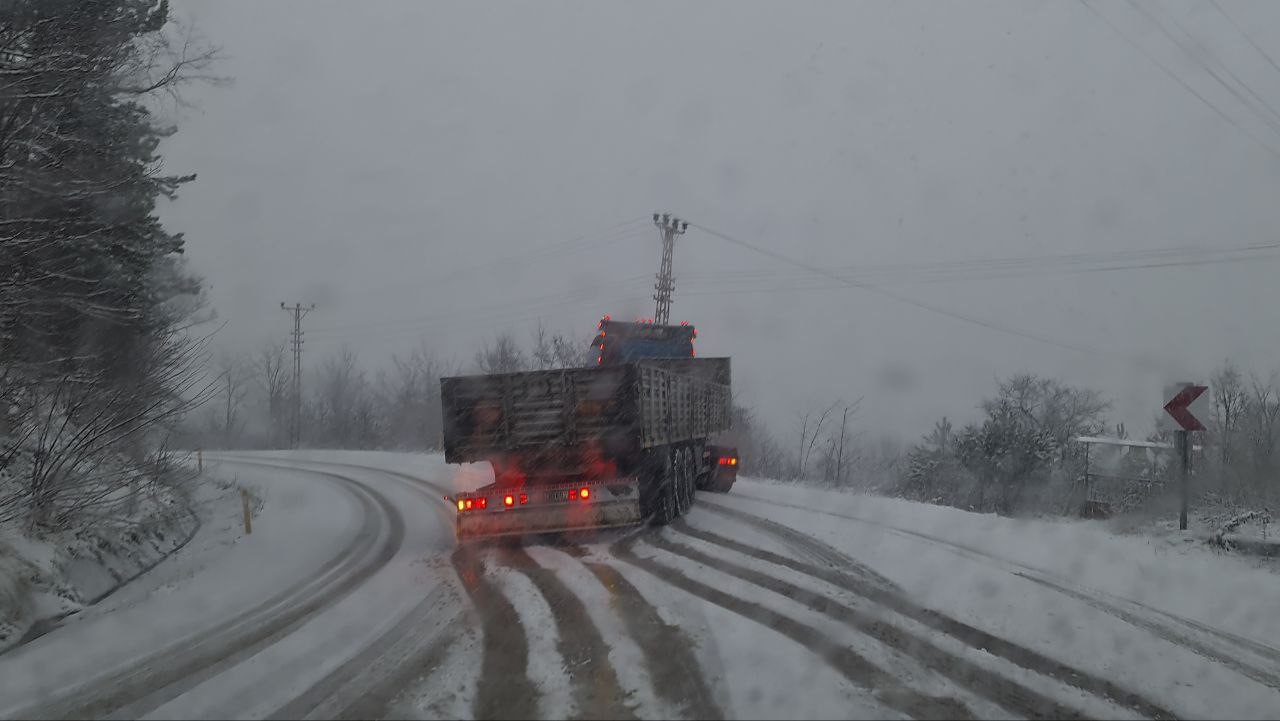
[(728, 461), (510, 500)]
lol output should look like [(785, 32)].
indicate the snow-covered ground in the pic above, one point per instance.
[(47, 579), (350, 599)]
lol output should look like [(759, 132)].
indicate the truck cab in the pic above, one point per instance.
[(621, 342)]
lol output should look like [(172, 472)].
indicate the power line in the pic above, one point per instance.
[(611, 234), (704, 284), (1020, 267), (1245, 35), (556, 299), (700, 290), (903, 299), (1186, 86), (1269, 121), (452, 323)]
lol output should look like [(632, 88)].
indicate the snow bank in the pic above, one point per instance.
[(1178, 575), (47, 576)]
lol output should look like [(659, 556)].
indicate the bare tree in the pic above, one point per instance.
[(410, 399), (502, 356), (340, 396), (845, 452), (88, 438), (809, 436), (572, 352), (272, 369), (1261, 415), (1228, 403), (543, 353), (233, 378)]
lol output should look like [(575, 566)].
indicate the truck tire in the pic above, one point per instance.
[(666, 505), (688, 488)]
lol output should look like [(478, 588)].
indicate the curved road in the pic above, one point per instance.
[(354, 602)]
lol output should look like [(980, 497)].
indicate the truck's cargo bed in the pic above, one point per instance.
[(618, 408)]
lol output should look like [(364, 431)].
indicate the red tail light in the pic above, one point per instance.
[(482, 502), (469, 504), (523, 499), (573, 495)]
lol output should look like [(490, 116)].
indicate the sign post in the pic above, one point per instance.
[(1182, 399)]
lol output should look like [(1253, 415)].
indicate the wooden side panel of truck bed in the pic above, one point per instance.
[(633, 406)]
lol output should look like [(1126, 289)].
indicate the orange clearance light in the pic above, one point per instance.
[(509, 500), (585, 493), (469, 502), (462, 505), (523, 499), (733, 461)]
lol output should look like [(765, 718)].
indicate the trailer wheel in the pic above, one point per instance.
[(666, 504), (688, 480)]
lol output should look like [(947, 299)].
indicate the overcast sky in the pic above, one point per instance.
[(382, 159)]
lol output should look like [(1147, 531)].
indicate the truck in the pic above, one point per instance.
[(627, 441)]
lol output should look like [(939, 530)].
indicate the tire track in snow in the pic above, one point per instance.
[(1261, 675), (355, 684), (586, 656), (1102, 602), (368, 695), (982, 681), (163, 676), (844, 660), (677, 676), (377, 703), (806, 545), (503, 690), (967, 634)]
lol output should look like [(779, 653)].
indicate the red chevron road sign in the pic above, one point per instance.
[(1179, 407)]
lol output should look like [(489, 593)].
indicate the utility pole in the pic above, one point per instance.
[(299, 312), (669, 227)]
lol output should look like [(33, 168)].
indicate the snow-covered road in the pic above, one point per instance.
[(351, 600)]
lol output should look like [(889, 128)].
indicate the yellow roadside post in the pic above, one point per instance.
[(248, 519)]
